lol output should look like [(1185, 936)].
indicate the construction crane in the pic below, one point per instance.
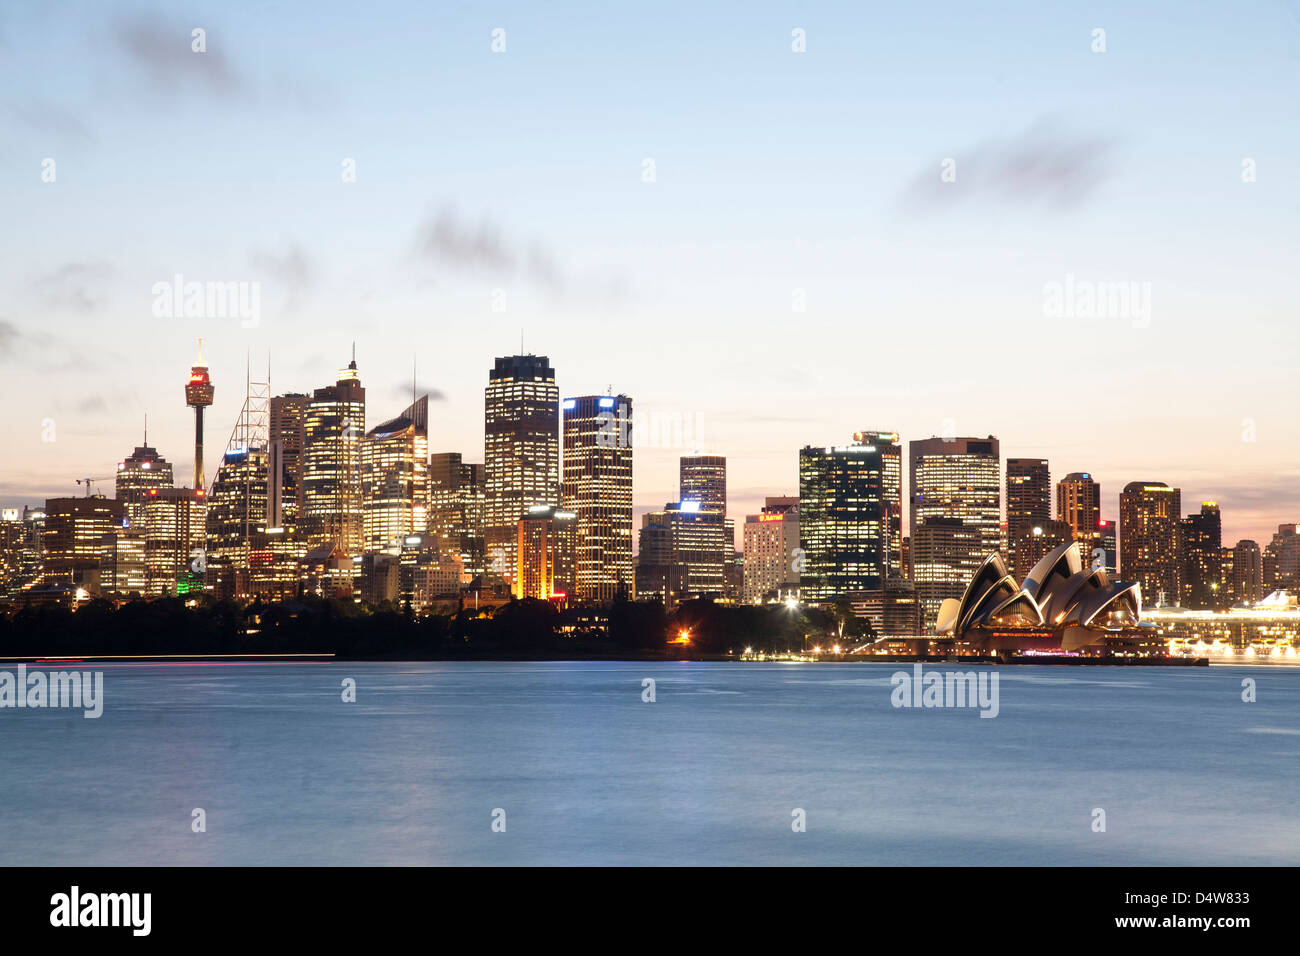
[(89, 481)]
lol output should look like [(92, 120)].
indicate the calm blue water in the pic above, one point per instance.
[(708, 774)]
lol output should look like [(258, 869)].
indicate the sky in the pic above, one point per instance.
[(774, 248)]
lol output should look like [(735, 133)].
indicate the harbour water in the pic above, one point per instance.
[(711, 772)]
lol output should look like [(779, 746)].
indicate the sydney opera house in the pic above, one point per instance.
[(1061, 606)]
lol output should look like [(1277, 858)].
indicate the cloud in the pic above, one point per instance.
[(73, 287), (293, 271), (51, 119), (1043, 164), (161, 51), (404, 392), (445, 240)]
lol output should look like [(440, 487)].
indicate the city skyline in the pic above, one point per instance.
[(792, 218)]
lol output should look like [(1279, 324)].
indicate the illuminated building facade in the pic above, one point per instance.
[(770, 540), (1107, 540), (597, 488), (545, 547), (958, 478), (1281, 560), (175, 540), (122, 563), (456, 501), (849, 496), (1037, 541), (75, 529), (521, 451), (1078, 504), (1149, 515), (1246, 579), (333, 429), (395, 479), (137, 474), (1029, 499), (237, 506), (285, 431), (682, 554), (941, 549), (1202, 544)]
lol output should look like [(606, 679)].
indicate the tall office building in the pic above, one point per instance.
[(1202, 541), (521, 451), (597, 488), (1149, 514), (682, 554), (175, 540), (1247, 582), (75, 529), (1078, 504), (237, 505), (456, 498), (771, 539), (953, 479), (122, 563), (545, 548), (1029, 499), (333, 428), (285, 425), (848, 498), (1107, 541), (395, 479), (137, 474), (1037, 542), (703, 478), (941, 552)]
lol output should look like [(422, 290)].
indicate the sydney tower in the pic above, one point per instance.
[(198, 395)]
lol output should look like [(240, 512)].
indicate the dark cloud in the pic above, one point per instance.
[(446, 240), (9, 338), (293, 272), (404, 392), (74, 286), (1045, 164), (162, 52)]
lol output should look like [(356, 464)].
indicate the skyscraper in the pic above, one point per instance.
[(545, 548), (137, 474), (597, 488), (1078, 504), (521, 451), (703, 478), (1247, 572), (848, 495), (175, 535), (395, 479), (285, 430), (953, 479), (334, 426), (1029, 499), (771, 538), (1281, 560), (1149, 513), (74, 535), (456, 498), (1202, 539)]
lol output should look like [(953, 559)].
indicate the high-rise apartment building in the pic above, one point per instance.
[(1247, 581), (1078, 504), (1202, 542), (597, 488), (521, 451), (1281, 560), (334, 426), (1149, 540)]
